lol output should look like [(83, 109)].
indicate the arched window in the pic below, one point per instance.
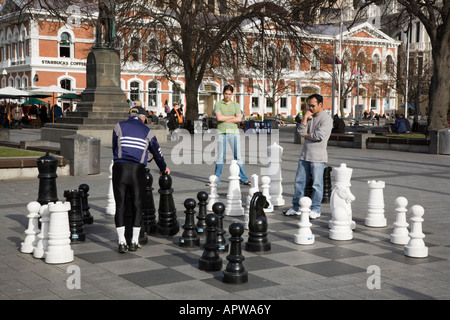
[(389, 65), (285, 59), (376, 64), (152, 94), (65, 44), (135, 91), (315, 60), (152, 50), (271, 58), (66, 84)]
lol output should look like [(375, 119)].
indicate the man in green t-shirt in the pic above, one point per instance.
[(228, 114)]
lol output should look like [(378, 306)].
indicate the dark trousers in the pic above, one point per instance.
[(128, 179)]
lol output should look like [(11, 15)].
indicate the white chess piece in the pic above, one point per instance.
[(275, 152), (58, 249), (32, 231), (213, 196), (111, 206), (251, 192), (254, 181), (400, 235), (304, 234), (42, 244), (341, 196), (265, 180), (341, 226), (375, 207), (234, 197), (416, 246)]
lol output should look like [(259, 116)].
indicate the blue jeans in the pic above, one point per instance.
[(234, 141), (304, 170)]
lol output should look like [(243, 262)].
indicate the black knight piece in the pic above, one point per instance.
[(257, 235), (235, 272), (219, 208), (210, 260), (77, 234), (202, 197), (189, 237), (87, 217), (149, 210), (167, 219)]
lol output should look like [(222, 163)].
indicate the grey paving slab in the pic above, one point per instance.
[(163, 271)]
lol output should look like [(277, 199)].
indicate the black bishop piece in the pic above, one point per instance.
[(219, 208), (202, 198), (87, 217)]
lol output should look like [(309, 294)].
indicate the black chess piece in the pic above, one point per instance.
[(219, 208), (189, 238), (327, 187), (87, 217), (149, 210), (235, 272), (257, 235), (75, 213), (202, 198), (167, 219), (47, 166), (210, 260)]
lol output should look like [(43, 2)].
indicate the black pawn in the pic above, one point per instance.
[(235, 272), (210, 260), (47, 166), (202, 197), (219, 208), (257, 225), (87, 217), (149, 210), (77, 234), (167, 219), (189, 237)]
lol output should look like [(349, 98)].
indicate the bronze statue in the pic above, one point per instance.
[(106, 20)]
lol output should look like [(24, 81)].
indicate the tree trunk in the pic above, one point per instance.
[(191, 113)]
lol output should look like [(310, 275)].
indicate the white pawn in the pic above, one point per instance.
[(234, 197), (32, 231), (58, 249), (265, 180), (304, 234), (213, 196), (341, 226), (42, 244), (111, 206), (251, 192), (275, 152), (400, 235), (375, 212), (416, 246)]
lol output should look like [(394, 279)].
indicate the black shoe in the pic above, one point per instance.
[(134, 246), (123, 247)]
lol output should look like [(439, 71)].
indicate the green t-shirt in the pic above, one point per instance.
[(232, 109)]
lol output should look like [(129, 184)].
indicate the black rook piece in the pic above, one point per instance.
[(210, 260), (47, 166), (167, 219), (202, 197), (257, 235), (189, 237), (326, 185), (235, 272), (77, 234), (87, 217), (149, 210), (219, 208)]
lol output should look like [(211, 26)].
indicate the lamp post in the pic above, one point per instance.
[(358, 73)]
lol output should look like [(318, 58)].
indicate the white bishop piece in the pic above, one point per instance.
[(32, 232), (275, 152)]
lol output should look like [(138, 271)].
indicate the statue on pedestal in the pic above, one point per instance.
[(106, 25)]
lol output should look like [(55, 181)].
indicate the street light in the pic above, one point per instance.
[(358, 73)]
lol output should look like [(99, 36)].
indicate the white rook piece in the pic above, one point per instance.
[(304, 234), (213, 195), (234, 197), (59, 250), (400, 235), (275, 152), (42, 243), (111, 206), (32, 231), (341, 196), (416, 246), (375, 211), (265, 185)]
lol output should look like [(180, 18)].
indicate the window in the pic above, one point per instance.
[(376, 64), (134, 49), (283, 103), (285, 59), (152, 50), (315, 62), (417, 31), (152, 93), (176, 94), (271, 58), (255, 102), (64, 45), (66, 84), (389, 65), (135, 91)]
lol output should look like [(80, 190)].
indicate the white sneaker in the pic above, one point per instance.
[(292, 212), (314, 215)]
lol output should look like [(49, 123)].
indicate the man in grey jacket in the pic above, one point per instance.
[(316, 128)]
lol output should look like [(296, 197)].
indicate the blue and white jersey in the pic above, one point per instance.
[(132, 140)]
